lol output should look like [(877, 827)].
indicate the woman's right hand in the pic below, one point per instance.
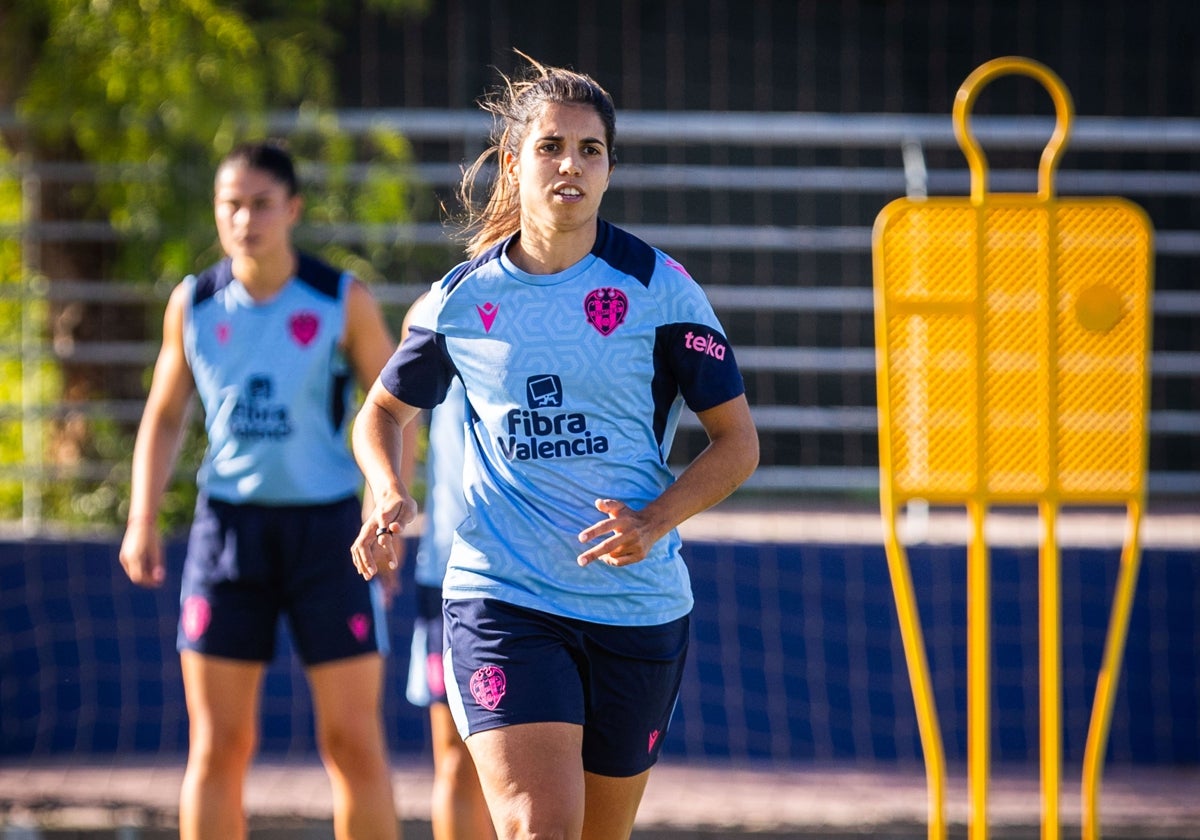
[(141, 553), (381, 536)]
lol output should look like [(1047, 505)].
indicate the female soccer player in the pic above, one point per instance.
[(566, 600), (273, 341)]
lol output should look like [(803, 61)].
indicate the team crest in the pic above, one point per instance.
[(605, 309), (304, 327), (488, 685), (359, 626), (196, 616)]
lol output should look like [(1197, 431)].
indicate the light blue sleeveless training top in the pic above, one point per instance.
[(275, 387)]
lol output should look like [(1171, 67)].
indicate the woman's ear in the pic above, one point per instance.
[(511, 167)]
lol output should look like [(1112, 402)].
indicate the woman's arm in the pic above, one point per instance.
[(378, 447), (156, 448), (728, 460), (368, 342)]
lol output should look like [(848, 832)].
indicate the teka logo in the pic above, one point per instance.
[(705, 344), (487, 314), (544, 391), (605, 309)]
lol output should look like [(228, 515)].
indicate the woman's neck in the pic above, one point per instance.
[(542, 252), (264, 276)]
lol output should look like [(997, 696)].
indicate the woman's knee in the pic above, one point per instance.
[(350, 743), (222, 747)]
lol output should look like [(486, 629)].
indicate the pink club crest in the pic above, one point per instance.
[(360, 626), (304, 327), (605, 309), (488, 685), (196, 616), (223, 333)]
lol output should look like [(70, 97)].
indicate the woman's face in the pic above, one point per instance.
[(563, 168), (254, 212)]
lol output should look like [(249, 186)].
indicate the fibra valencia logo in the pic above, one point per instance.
[(543, 391), (256, 417), (535, 433), (605, 309)]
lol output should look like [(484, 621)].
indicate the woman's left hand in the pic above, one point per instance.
[(630, 540)]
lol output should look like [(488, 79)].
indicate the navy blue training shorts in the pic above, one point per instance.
[(426, 677), (249, 564), (509, 665)]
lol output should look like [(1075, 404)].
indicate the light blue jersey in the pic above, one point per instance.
[(574, 383), (275, 386), (445, 506)]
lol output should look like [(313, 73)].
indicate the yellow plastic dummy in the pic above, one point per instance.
[(1012, 336)]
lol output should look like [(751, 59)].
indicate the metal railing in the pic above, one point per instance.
[(901, 142)]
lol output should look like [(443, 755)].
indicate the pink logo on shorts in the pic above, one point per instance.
[(605, 309), (435, 674), (487, 686), (360, 626), (653, 740), (196, 616)]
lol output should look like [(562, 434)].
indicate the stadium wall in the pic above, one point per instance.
[(796, 657)]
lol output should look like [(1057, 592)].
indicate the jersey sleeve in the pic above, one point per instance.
[(691, 342), (419, 373)]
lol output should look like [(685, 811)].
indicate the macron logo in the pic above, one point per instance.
[(487, 314), (705, 344)]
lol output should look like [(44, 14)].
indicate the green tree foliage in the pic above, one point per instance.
[(171, 85), (154, 92)]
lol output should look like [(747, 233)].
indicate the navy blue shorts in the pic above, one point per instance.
[(511, 665), (248, 564), (426, 676)]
